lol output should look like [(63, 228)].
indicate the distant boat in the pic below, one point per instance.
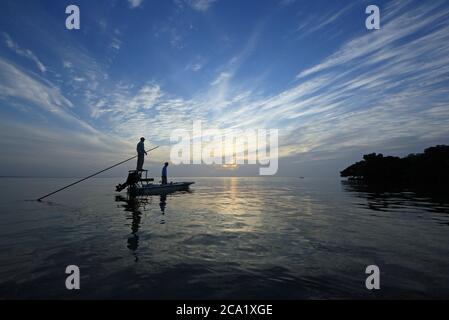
[(139, 183)]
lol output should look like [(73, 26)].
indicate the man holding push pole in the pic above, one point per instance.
[(141, 153)]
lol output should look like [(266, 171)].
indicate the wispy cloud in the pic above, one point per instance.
[(196, 65), (386, 88), (285, 3), (67, 64), (375, 89), (200, 5), (312, 23), (135, 3), (52, 146), (222, 77), (50, 150), (116, 43), (24, 52)]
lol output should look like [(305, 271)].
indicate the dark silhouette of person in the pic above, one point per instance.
[(162, 205), (132, 206), (163, 202), (164, 173), (141, 153)]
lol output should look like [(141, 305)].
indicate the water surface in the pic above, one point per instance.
[(234, 238)]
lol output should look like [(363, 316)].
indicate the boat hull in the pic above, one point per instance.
[(160, 188)]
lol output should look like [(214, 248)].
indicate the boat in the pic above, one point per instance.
[(139, 183), (151, 188)]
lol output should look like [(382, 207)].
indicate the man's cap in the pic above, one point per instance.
[(142, 138)]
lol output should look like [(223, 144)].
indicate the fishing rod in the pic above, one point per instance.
[(92, 175)]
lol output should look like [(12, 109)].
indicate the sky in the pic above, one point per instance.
[(76, 101)]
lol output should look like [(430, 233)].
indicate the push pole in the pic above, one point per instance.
[(92, 175)]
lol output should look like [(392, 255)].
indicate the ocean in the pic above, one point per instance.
[(226, 238)]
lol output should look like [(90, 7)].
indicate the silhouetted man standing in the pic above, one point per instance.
[(164, 173), (141, 153)]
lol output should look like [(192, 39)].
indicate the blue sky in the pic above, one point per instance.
[(75, 101)]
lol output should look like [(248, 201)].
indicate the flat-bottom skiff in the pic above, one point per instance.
[(139, 183)]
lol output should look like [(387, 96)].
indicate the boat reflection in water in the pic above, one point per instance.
[(136, 205)]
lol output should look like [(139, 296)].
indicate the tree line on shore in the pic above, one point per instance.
[(430, 167)]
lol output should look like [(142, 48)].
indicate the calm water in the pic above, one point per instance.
[(227, 238)]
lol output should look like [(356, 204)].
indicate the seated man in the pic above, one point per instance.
[(164, 173)]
